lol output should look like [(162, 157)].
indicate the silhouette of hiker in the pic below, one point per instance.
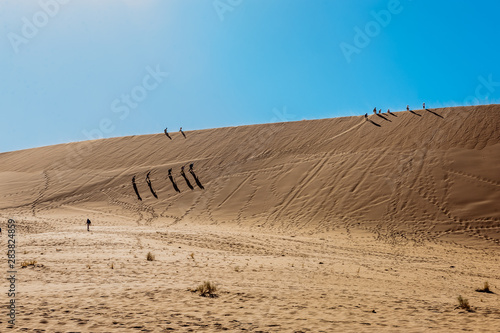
[(388, 111), (166, 133), (172, 180), (379, 111), (135, 188), (366, 116), (423, 106), (88, 224), (180, 130), (375, 110), (150, 185), (407, 108)]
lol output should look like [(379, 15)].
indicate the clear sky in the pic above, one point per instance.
[(71, 70)]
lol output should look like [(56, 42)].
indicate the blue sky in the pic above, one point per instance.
[(71, 70)]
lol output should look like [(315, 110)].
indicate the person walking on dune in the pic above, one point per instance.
[(375, 110), (366, 116), (88, 224), (423, 106), (379, 111), (166, 133), (184, 135), (407, 108), (389, 111)]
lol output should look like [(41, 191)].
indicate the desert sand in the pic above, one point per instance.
[(332, 225)]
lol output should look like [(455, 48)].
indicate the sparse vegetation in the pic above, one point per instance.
[(192, 255), (27, 263), (464, 304), (112, 265), (485, 289), (150, 257), (237, 269), (206, 289)]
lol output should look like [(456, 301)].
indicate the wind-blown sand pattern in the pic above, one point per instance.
[(312, 226)]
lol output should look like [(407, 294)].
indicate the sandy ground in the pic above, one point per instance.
[(331, 225), (100, 281)]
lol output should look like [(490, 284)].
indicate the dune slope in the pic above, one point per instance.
[(427, 174)]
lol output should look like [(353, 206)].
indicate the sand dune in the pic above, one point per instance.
[(401, 210), (431, 173)]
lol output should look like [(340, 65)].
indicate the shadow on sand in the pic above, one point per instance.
[(415, 113), (174, 184), (151, 185), (188, 183), (197, 180), (374, 123), (135, 188), (434, 113), (381, 116)]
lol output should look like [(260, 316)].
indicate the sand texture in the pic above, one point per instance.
[(332, 225)]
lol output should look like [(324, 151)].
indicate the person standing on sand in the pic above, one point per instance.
[(423, 106), (180, 130), (379, 111), (375, 110), (366, 116), (166, 133), (407, 108), (88, 224)]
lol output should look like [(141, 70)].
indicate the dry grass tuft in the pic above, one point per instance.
[(150, 257), (464, 304), (485, 289), (27, 263), (206, 289)]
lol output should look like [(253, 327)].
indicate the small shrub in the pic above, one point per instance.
[(192, 255), (112, 265), (206, 289), (27, 263), (464, 304), (485, 289), (150, 257)]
